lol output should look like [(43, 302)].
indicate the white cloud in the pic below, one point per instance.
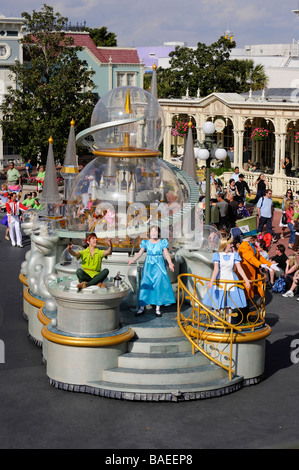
[(77, 9), (152, 22)]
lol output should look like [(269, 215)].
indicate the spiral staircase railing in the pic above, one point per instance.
[(212, 331)]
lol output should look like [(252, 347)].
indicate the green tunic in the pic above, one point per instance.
[(91, 264)]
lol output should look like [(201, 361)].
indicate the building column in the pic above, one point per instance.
[(167, 144), (241, 145), (277, 164), (236, 148), (283, 151), (198, 126), (292, 147), (167, 136)]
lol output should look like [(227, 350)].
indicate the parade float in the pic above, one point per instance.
[(91, 339)]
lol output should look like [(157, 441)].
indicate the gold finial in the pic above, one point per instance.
[(190, 123), (229, 36), (128, 109), (50, 140), (154, 67), (72, 123)]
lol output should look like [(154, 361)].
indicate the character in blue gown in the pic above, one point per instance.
[(155, 287), (225, 263)]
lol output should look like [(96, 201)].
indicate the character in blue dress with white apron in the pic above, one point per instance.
[(155, 287), (225, 262)]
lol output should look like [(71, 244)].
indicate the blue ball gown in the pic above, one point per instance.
[(155, 286), (235, 296)]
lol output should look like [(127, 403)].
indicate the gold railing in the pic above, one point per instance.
[(212, 331)]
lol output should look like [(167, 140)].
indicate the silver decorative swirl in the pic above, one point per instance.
[(80, 138)]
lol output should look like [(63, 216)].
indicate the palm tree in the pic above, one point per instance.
[(256, 76), (245, 75)]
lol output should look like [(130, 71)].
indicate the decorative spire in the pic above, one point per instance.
[(70, 159), (189, 164), (154, 88), (70, 169), (128, 109), (50, 193)]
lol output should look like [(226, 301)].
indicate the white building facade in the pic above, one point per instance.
[(10, 51), (240, 116)]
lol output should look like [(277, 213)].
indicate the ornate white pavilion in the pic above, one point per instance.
[(236, 116)]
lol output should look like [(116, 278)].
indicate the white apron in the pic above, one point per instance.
[(227, 268)]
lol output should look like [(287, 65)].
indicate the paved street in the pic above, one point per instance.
[(35, 415)]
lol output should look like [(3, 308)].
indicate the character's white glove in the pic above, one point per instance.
[(265, 266), (274, 267)]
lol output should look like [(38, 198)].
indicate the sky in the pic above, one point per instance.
[(153, 22)]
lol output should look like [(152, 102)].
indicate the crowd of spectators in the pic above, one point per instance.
[(232, 205), (230, 200), (13, 199)]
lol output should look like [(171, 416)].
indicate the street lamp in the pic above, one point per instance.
[(204, 153)]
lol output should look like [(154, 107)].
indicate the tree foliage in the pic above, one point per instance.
[(102, 37), (52, 86), (208, 69)]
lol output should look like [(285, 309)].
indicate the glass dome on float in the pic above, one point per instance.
[(127, 187), (118, 198), (131, 119)]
